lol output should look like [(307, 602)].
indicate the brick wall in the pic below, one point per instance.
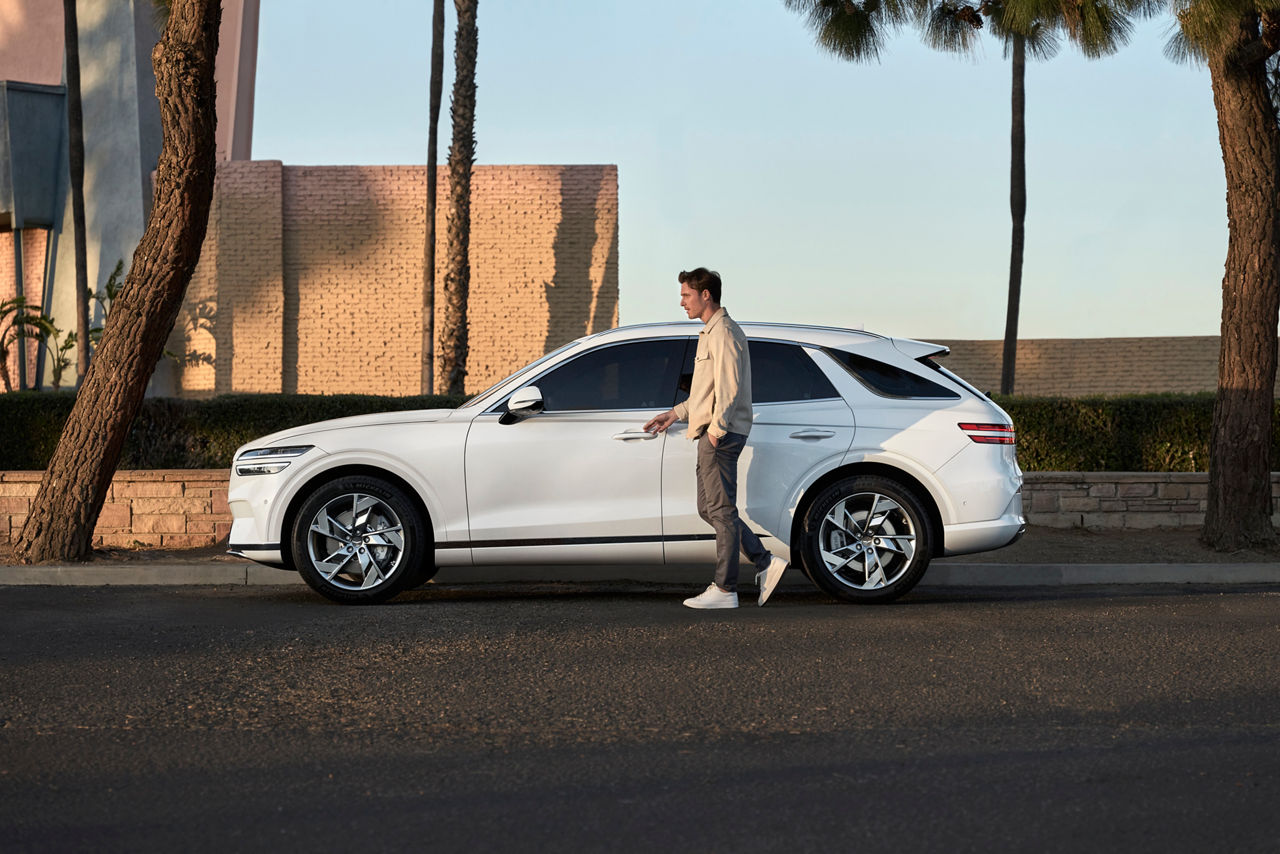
[(1077, 367), (311, 276), (188, 508)]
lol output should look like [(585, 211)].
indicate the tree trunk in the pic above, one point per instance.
[(75, 151), (1239, 507), (65, 510), (462, 154), (436, 86), (1018, 211)]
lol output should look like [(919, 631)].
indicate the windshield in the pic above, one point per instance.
[(477, 398)]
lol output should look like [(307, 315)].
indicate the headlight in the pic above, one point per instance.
[(268, 460)]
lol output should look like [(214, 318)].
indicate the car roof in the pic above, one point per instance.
[(814, 336)]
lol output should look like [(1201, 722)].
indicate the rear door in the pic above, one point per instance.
[(801, 424)]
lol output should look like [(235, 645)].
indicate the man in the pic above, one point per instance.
[(719, 415)]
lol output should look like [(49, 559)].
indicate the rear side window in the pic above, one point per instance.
[(784, 372), (779, 373), (889, 380)]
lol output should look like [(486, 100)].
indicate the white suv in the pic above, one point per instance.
[(865, 460)]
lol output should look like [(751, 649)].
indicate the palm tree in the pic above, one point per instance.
[(1026, 27), (75, 150), (436, 84), (462, 155), (1238, 40), (66, 507)]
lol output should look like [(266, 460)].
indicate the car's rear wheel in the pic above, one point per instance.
[(866, 539), (360, 540)]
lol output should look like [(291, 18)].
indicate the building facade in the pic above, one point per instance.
[(311, 279)]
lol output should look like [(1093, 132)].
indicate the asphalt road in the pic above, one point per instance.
[(606, 717)]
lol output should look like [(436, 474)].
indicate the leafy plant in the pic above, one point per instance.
[(17, 322)]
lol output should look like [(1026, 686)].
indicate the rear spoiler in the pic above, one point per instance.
[(919, 349)]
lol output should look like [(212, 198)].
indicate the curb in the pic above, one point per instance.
[(940, 574)]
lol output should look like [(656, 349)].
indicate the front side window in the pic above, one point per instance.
[(635, 375)]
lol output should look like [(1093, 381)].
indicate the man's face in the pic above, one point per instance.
[(692, 301)]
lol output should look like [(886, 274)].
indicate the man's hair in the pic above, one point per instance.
[(702, 279)]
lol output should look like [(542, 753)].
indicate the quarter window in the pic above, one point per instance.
[(888, 380), (638, 375)]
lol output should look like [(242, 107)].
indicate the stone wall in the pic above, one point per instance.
[(188, 508), (1121, 499), (177, 509), (311, 278)]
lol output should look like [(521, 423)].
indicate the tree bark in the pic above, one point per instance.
[(65, 510), (462, 155), (1017, 210), (75, 152), (436, 87), (1239, 506)]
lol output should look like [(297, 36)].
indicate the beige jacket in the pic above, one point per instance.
[(720, 398)]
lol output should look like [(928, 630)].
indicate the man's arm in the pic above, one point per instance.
[(660, 423), (727, 357)]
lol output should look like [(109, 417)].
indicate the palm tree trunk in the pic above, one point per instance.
[(462, 155), (1018, 211), (66, 507), (436, 87), (75, 150), (1239, 506)]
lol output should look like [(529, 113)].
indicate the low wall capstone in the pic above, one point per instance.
[(187, 508)]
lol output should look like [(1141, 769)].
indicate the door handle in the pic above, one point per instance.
[(813, 434), (635, 434)]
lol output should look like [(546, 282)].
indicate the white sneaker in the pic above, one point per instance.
[(713, 597), (767, 579)]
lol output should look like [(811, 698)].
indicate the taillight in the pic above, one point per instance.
[(989, 434)]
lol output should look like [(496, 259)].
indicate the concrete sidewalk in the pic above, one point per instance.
[(941, 573)]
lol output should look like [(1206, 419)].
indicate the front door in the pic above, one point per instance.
[(580, 481)]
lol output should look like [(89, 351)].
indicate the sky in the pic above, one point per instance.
[(869, 196)]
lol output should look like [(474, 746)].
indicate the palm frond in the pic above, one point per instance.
[(1207, 25), (852, 30), (1180, 49), (953, 27), (1042, 43)]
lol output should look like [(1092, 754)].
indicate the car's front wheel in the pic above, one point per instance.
[(359, 540), (866, 539)]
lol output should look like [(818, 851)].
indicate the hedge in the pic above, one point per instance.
[(1140, 433), (1167, 432), (172, 433)]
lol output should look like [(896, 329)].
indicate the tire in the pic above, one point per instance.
[(853, 564), (360, 540)]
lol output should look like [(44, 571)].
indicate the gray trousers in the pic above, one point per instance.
[(718, 506)]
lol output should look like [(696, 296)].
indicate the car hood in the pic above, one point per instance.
[(418, 416)]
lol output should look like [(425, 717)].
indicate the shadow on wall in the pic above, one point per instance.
[(579, 303)]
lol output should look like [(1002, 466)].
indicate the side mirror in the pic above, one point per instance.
[(523, 403)]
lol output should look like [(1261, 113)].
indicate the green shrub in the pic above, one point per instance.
[(1140, 433), (175, 433)]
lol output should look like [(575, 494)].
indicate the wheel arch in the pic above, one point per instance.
[(302, 493), (906, 479)]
